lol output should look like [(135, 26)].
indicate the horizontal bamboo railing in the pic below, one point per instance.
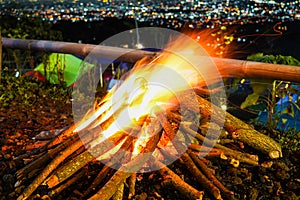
[(107, 52), (227, 67)]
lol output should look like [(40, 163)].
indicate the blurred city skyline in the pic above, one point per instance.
[(255, 24), (216, 12)]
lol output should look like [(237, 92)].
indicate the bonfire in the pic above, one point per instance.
[(169, 107)]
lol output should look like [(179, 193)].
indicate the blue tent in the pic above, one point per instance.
[(287, 114)]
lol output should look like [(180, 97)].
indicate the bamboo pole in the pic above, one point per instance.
[(251, 69), (107, 52), (227, 67)]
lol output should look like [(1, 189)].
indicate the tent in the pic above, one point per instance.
[(72, 66), (287, 112), (68, 65)]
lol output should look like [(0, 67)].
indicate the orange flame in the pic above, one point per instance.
[(151, 87)]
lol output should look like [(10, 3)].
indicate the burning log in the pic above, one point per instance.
[(243, 157), (80, 161), (201, 178), (126, 170), (109, 189), (138, 125), (239, 129)]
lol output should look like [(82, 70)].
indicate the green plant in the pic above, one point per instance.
[(275, 102), (27, 91), (289, 140), (25, 28), (269, 93)]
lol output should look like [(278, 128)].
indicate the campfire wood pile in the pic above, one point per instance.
[(66, 156), (183, 133)]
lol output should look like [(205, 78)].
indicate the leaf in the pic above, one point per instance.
[(259, 86), (255, 56), (277, 59), (250, 100)]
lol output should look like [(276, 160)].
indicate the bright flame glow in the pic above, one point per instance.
[(149, 88)]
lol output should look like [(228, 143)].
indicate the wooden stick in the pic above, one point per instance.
[(106, 192), (114, 162), (239, 129), (166, 125), (109, 189), (68, 183), (201, 178), (243, 157), (132, 181), (68, 133), (49, 168), (81, 160), (99, 178), (197, 147), (119, 193), (31, 147), (173, 180), (207, 184), (51, 153), (172, 116), (229, 194), (45, 158)]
